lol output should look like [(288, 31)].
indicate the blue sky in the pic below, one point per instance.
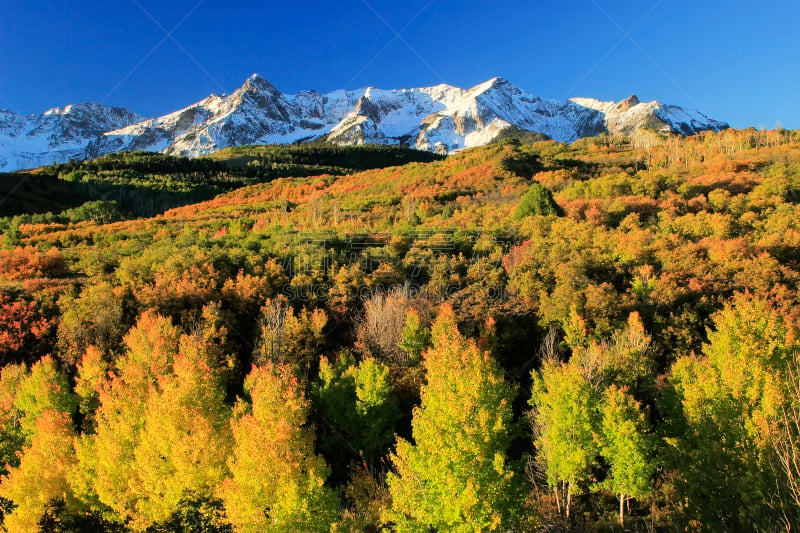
[(733, 60)]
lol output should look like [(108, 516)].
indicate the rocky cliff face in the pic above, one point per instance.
[(440, 118)]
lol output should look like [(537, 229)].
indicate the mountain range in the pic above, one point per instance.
[(441, 119)]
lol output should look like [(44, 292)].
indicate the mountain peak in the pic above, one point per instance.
[(258, 83), (492, 84), (628, 102), (441, 118)]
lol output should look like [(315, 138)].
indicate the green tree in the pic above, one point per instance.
[(13, 236), (454, 477), (44, 388), (627, 447), (537, 201), (277, 481), (356, 401), (565, 422), (12, 437), (721, 410), (416, 337)]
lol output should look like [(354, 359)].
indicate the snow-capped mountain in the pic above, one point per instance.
[(257, 113), (440, 118), (58, 135), (630, 114)]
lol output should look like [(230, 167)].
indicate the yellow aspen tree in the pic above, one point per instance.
[(106, 471), (454, 476), (186, 437), (92, 376), (41, 479), (277, 482)]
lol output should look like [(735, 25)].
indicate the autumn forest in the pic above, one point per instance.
[(527, 336)]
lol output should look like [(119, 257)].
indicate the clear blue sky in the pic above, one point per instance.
[(733, 60)]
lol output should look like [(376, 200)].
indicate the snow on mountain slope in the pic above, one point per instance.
[(392, 117), (627, 115), (60, 134), (257, 113), (440, 118), (485, 110)]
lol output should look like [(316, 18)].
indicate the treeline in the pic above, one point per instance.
[(514, 338), (237, 160), (344, 158), (144, 184), (139, 163)]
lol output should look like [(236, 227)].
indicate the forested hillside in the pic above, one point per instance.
[(519, 337), (138, 184)]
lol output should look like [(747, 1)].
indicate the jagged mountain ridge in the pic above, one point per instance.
[(58, 135), (441, 118)]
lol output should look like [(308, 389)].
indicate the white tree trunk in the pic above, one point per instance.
[(557, 489), (569, 496)]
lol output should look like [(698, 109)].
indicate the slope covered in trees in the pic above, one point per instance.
[(514, 337), (137, 184)]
